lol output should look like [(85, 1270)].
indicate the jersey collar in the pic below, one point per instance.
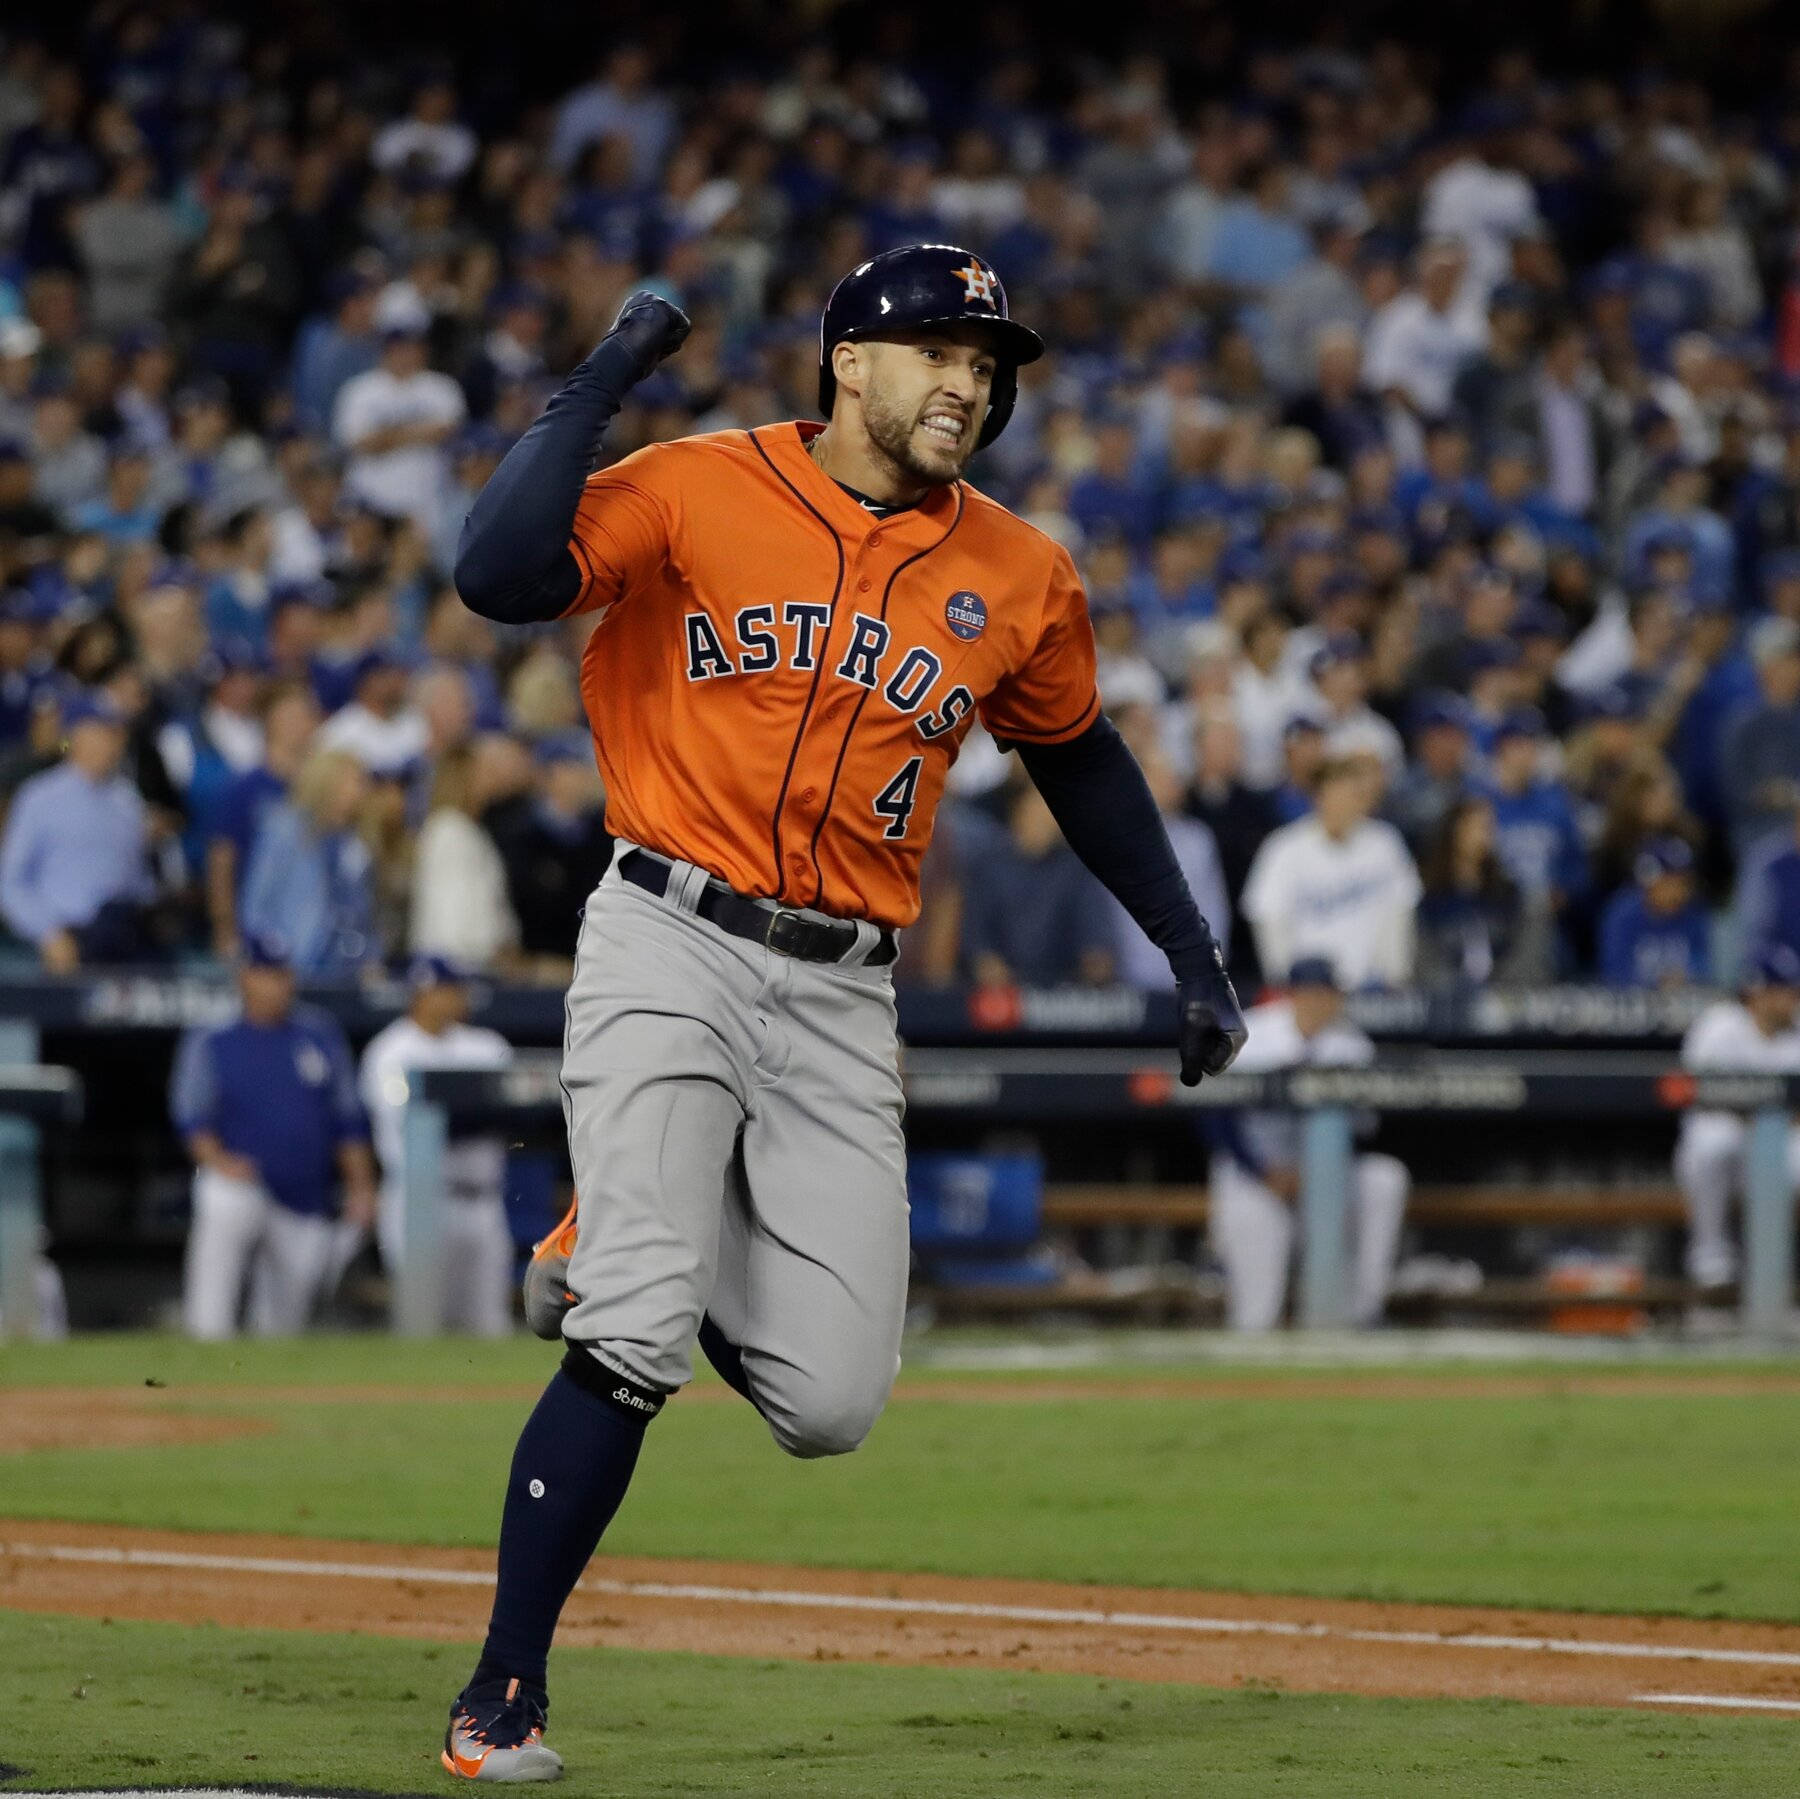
[(787, 448)]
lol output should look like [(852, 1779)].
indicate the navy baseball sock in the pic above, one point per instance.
[(570, 1471)]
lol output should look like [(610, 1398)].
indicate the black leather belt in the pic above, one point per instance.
[(788, 932)]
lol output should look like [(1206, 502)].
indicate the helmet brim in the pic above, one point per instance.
[(1015, 343)]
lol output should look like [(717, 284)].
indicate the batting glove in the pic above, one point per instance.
[(648, 330), (1209, 1022)]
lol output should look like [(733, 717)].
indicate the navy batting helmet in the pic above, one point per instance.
[(928, 284)]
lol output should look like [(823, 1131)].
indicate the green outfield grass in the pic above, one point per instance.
[(136, 1705), (1651, 1502)]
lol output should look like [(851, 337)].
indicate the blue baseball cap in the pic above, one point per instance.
[(1314, 971), (1663, 856), (1774, 965), (263, 949), (1441, 710), (1299, 724), (1522, 721), (88, 706), (425, 971), (1340, 647)]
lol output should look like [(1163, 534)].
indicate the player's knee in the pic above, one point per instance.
[(823, 1417)]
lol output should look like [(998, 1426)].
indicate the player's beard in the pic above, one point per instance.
[(895, 433)]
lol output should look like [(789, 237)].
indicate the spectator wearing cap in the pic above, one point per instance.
[(127, 512), (1760, 747), (1664, 298), (379, 726), (1036, 918), (1681, 521), (1117, 495), (1419, 341), (434, 1032), (1441, 497), (1475, 926), (1655, 932), (24, 662), (1542, 634), (1755, 1031), (304, 530), (1255, 1172), (1340, 674), (550, 828), (1494, 388), (333, 348), (1302, 756), (460, 906), (289, 717), (206, 750), (1337, 883), (394, 421), (311, 881), (68, 461), (1439, 774), (475, 453), (268, 1107), (512, 352), (1540, 840), (74, 858)]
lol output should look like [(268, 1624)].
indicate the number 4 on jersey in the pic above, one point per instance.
[(896, 800)]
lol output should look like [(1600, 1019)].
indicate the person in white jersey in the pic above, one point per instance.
[(434, 1032), (1757, 1031), (1256, 1163), (1337, 883)]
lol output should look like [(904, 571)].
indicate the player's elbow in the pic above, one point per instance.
[(490, 584)]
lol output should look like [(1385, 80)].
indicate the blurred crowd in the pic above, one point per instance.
[(1432, 460)]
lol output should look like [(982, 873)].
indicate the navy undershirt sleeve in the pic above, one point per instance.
[(513, 562), (1098, 796)]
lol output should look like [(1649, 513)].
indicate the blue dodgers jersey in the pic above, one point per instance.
[(284, 1095)]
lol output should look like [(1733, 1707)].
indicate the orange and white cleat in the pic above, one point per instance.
[(548, 1300), (499, 1735)]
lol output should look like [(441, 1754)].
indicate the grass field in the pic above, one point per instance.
[(1643, 1499)]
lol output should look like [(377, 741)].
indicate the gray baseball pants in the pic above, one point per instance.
[(734, 1124)]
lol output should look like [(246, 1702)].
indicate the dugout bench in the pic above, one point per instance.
[(1023, 1086)]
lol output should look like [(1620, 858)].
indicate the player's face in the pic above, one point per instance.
[(924, 397)]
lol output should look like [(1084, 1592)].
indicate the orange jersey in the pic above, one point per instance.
[(780, 679)]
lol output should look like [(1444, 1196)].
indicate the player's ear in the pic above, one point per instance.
[(849, 363)]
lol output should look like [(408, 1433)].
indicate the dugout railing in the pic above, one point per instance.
[(1034, 1085)]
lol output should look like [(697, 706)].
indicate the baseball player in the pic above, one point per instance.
[(1757, 1032), (268, 1108), (797, 626), (434, 1032), (1256, 1163)]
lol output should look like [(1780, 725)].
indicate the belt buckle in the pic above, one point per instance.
[(783, 932)]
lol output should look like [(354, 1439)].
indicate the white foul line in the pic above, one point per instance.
[(936, 1608), (1719, 1699)]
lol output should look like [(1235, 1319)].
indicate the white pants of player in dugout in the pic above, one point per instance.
[(1253, 1233), (734, 1124), (239, 1229), (478, 1257), (1709, 1164)]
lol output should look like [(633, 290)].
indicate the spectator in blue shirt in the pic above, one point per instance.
[(332, 350), (1035, 917), (268, 1107), (127, 512), (1759, 753), (1654, 933), (74, 868), (1114, 497), (1539, 840), (1258, 241), (311, 882), (290, 719)]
